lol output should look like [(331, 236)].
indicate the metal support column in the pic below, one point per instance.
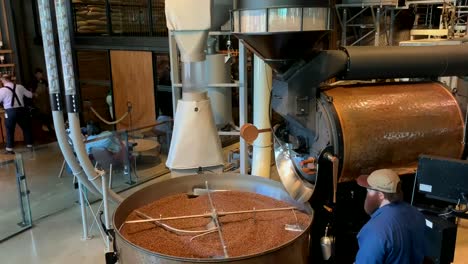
[(243, 106), (23, 193), (392, 25), (377, 27), (175, 74), (344, 27), (127, 162), (105, 202), (84, 213)]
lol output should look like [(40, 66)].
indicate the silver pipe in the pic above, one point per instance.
[(68, 152), (106, 208), (70, 91), (54, 89), (84, 214)]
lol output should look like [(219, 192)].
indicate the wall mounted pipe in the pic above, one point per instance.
[(72, 101), (54, 91)]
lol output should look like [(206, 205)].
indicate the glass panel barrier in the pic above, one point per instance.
[(15, 212), (132, 156)]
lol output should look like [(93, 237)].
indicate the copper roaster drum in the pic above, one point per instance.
[(390, 125)]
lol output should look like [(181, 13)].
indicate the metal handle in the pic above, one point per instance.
[(335, 161)]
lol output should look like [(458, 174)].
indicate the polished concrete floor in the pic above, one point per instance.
[(50, 191), (58, 239)]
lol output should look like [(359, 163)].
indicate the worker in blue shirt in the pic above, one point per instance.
[(395, 232)]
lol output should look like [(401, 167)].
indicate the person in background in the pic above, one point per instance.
[(11, 96), (103, 141), (395, 232), (41, 100)]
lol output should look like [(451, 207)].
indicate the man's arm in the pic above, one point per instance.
[(371, 248), (26, 92), (2, 95)]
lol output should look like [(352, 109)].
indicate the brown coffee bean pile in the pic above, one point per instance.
[(244, 234)]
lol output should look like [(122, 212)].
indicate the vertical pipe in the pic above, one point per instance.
[(392, 26), (244, 165), (70, 89), (84, 214), (54, 90), (261, 160)]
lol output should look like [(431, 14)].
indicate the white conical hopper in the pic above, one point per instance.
[(195, 138), (195, 141)]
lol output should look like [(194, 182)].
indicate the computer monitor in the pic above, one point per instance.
[(442, 179)]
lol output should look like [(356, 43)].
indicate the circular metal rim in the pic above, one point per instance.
[(336, 129), (206, 260)]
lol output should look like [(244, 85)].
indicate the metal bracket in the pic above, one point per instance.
[(302, 106)]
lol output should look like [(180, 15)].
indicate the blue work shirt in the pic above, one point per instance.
[(394, 234)]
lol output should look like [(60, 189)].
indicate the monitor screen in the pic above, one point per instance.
[(442, 178)]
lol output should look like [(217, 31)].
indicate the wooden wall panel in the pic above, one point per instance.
[(132, 79), (95, 96), (93, 65)]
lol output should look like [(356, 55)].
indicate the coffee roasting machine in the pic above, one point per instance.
[(346, 128), (350, 128)]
